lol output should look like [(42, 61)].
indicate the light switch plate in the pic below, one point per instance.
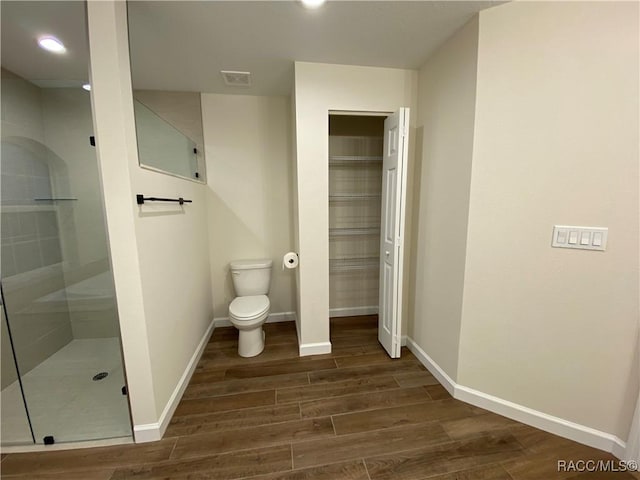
[(565, 236)]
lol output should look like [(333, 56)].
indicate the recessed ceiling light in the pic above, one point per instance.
[(87, 87), (311, 4), (51, 44)]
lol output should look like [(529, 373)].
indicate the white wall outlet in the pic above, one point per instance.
[(584, 238)]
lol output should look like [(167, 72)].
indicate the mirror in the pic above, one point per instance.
[(168, 123), (162, 145)]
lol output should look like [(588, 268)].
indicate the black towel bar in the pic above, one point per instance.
[(140, 199)]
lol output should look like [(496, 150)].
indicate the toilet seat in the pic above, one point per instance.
[(249, 308)]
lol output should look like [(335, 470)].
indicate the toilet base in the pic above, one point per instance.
[(250, 342)]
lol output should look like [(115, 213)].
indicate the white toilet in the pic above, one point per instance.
[(249, 310)]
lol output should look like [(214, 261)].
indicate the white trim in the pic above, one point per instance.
[(445, 380), (272, 318), (620, 449), (632, 447), (549, 423), (359, 113), (147, 432), (353, 311), (543, 421), (295, 318), (403, 341), (306, 349), (151, 432)]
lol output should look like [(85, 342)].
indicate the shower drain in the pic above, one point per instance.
[(100, 376)]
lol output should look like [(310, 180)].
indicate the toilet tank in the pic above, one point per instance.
[(251, 277)]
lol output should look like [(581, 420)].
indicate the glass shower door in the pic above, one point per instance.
[(62, 370), (15, 428)]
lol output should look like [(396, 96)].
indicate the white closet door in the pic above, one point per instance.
[(394, 181)]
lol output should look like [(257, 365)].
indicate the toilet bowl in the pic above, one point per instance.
[(248, 314), (250, 309)]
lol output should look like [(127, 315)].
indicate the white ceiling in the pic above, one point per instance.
[(183, 45), (22, 24)]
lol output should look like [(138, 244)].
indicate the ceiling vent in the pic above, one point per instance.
[(236, 79)]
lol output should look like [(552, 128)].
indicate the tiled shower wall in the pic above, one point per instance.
[(30, 236), (29, 241)]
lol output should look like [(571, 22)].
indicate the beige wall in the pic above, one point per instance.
[(320, 88), (160, 252), (556, 142), (250, 204), (444, 147)]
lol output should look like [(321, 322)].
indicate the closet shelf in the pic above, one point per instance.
[(354, 160), (338, 197), (353, 264), (352, 231)]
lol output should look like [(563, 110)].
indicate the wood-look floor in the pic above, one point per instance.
[(355, 414)]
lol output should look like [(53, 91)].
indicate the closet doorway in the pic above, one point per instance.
[(367, 189)]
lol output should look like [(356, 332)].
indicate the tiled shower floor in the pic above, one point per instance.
[(64, 401)]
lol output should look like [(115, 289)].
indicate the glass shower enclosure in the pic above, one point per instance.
[(62, 377)]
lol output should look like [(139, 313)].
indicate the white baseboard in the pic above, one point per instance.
[(306, 349), (620, 449), (403, 341), (445, 380), (148, 432), (353, 311), (152, 432), (549, 423), (272, 318), (295, 319)]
